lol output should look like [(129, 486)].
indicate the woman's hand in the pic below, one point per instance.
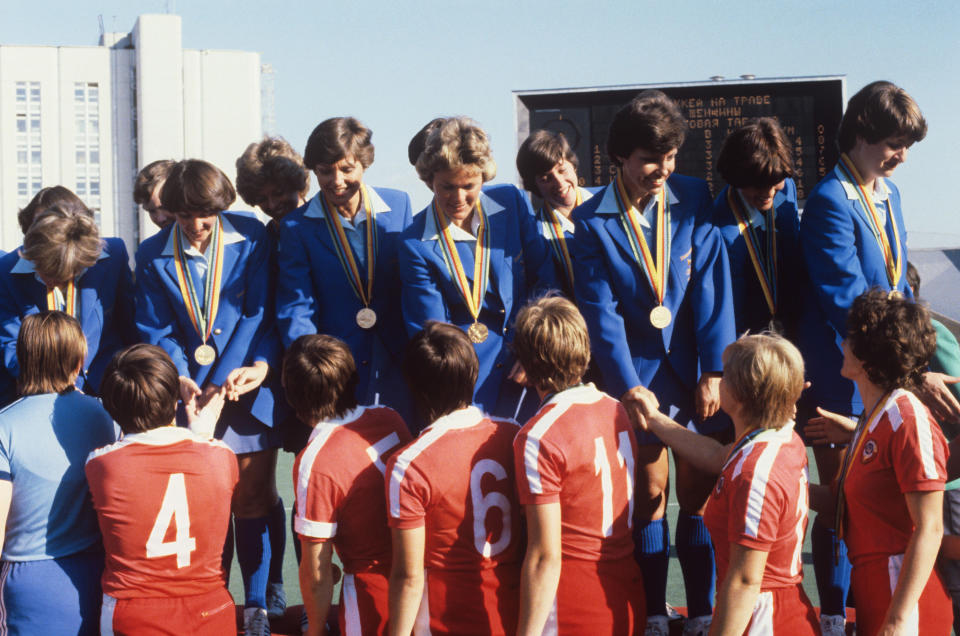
[(203, 421), (189, 393), (706, 399), (937, 397), (245, 379), (639, 403), (519, 375), (830, 428)]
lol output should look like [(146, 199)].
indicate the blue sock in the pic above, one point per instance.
[(226, 561), (652, 552), (277, 528), (833, 580), (253, 554), (695, 553)]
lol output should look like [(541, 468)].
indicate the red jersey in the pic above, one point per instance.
[(760, 502), (456, 480), (338, 479), (580, 450), (163, 501), (903, 451)]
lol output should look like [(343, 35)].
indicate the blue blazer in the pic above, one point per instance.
[(543, 224), (843, 260), (242, 328), (519, 265), (105, 293), (749, 305), (615, 297), (314, 294)]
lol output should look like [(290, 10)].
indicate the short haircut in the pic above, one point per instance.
[(419, 141), (651, 121), (878, 111), (756, 155), (320, 378), (140, 388), (764, 372), (271, 160), (552, 343), (198, 188), (441, 368), (62, 243), (152, 175), (50, 349), (457, 144), (893, 337), (539, 153), (337, 138), (58, 196), (913, 279)]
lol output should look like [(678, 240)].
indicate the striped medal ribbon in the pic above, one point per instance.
[(366, 318), (558, 241), (894, 263), (764, 264), (69, 304), (655, 266), (202, 320), (472, 295)]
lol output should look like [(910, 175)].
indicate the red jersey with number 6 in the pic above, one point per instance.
[(163, 501), (457, 481)]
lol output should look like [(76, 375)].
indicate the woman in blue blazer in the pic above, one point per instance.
[(444, 280), (654, 286), (64, 265), (759, 205), (201, 291)]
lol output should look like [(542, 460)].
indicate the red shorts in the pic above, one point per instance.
[(599, 598), (873, 584), (210, 614), (481, 602), (364, 604), (784, 610)]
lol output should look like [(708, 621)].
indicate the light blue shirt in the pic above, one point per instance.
[(201, 260), (355, 229)]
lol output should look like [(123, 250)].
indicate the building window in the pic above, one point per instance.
[(86, 104), (28, 138)]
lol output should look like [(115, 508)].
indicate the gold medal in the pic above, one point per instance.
[(894, 294), (477, 332), (204, 355), (366, 318), (660, 317)]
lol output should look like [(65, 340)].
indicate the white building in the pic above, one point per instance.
[(88, 117)]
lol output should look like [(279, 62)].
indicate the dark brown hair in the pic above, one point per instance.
[(337, 138), (878, 111), (50, 349), (271, 160), (651, 121), (152, 175), (197, 187), (539, 153), (319, 378), (140, 388), (756, 155), (419, 141), (552, 344), (441, 368), (54, 196), (893, 337)]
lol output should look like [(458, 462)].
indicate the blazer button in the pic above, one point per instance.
[(217, 332), (499, 365), (503, 311)]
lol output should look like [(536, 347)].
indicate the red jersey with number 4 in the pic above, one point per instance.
[(457, 481), (163, 501), (903, 451), (579, 451), (338, 480), (760, 502)]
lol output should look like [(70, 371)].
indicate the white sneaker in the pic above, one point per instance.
[(698, 626), (276, 600), (657, 626), (256, 622), (832, 625)]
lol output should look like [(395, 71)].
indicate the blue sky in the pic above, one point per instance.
[(395, 65)]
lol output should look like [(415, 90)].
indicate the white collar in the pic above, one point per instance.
[(581, 394), (608, 204), (880, 188), (461, 418), (230, 235), (430, 232), (350, 416), (162, 436), (23, 266), (377, 204)]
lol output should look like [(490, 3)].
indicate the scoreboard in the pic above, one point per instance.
[(808, 108)]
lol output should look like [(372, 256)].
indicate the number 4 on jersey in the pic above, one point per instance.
[(175, 510)]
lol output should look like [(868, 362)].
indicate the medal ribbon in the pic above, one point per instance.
[(202, 321), (557, 240), (345, 253), (656, 270), (894, 264), (473, 296), (70, 299), (859, 435), (766, 269)]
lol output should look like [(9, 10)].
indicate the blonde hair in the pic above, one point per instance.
[(457, 144), (50, 349), (61, 243), (764, 372), (552, 343)]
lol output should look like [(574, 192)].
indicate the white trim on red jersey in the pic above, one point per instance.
[(921, 416), (894, 565), (161, 436)]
